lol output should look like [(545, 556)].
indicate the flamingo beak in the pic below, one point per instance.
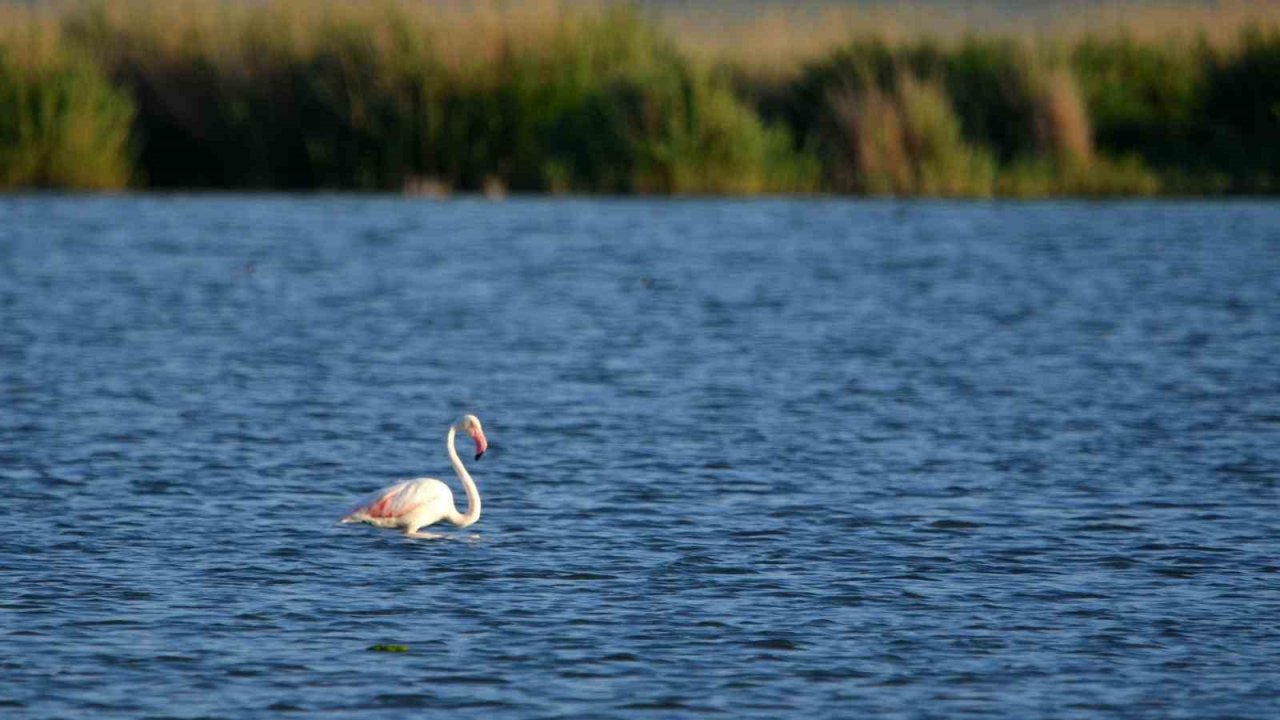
[(481, 443)]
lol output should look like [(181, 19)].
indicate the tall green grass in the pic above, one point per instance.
[(900, 138), (61, 125), (974, 118), (1242, 113), (374, 99), (1205, 118), (545, 96)]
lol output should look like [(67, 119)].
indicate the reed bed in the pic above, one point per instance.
[(594, 97), (62, 124), (778, 37)]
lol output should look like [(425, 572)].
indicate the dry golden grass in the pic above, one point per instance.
[(29, 34), (903, 140), (868, 131), (780, 37), (463, 36), (765, 39), (1061, 120)]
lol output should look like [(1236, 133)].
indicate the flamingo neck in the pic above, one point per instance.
[(473, 493)]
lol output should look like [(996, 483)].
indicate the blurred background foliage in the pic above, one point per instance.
[(596, 97)]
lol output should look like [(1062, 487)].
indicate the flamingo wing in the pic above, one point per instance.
[(397, 500)]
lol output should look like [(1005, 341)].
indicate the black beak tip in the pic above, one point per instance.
[(478, 455)]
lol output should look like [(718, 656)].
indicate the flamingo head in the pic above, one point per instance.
[(470, 424)]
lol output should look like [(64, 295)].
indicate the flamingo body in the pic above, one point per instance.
[(412, 504)]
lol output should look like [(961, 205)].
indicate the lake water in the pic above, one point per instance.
[(748, 459)]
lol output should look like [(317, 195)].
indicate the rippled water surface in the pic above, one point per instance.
[(754, 459)]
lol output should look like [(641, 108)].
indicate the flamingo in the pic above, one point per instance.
[(413, 504)]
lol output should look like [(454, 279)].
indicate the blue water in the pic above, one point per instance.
[(748, 459)]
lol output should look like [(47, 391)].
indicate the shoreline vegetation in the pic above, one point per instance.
[(594, 97)]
